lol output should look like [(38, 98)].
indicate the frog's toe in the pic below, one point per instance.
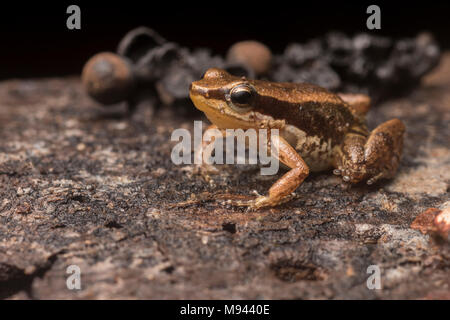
[(375, 178), (257, 203), (266, 201), (357, 175), (345, 174), (261, 201), (353, 175)]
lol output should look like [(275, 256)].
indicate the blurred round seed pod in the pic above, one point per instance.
[(108, 78), (137, 42), (252, 54)]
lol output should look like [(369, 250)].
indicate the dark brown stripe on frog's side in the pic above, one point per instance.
[(324, 120)]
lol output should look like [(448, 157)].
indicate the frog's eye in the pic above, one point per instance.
[(241, 97), (204, 74)]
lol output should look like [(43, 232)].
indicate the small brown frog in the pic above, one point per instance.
[(318, 130)]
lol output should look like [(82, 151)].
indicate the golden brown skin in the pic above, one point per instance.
[(319, 130)]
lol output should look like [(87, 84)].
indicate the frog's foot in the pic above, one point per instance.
[(282, 190), (357, 174), (264, 201), (246, 203), (373, 158), (260, 202), (345, 183), (349, 174)]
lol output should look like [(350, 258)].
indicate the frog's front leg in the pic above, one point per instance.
[(201, 155), (287, 184), (203, 167), (370, 158)]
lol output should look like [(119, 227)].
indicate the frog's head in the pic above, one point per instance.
[(226, 100)]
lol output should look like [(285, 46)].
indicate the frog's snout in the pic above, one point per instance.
[(192, 89), (194, 93), (195, 89)]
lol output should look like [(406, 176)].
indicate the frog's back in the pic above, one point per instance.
[(310, 108)]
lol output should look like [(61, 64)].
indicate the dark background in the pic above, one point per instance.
[(36, 42)]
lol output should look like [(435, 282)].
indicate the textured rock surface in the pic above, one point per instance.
[(82, 185)]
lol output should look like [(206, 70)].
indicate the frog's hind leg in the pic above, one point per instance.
[(370, 158)]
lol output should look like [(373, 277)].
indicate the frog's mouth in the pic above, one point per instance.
[(218, 112)]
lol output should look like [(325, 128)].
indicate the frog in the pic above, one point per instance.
[(318, 130)]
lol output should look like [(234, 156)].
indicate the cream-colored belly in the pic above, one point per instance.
[(317, 154)]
